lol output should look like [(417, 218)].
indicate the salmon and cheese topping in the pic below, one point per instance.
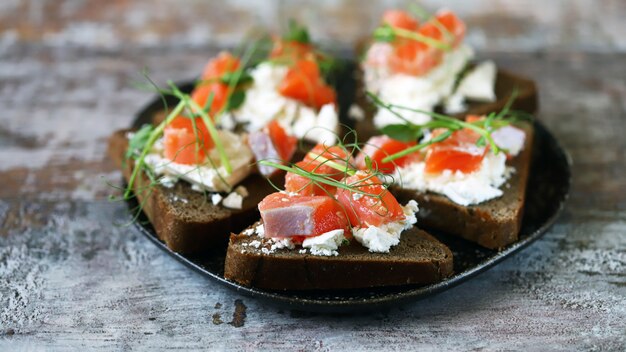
[(188, 149), (376, 217), (317, 162), (328, 202), (459, 166), (424, 65), (289, 87)]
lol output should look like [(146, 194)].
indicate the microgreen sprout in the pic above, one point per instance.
[(387, 33), (197, 110), (411, 132), (297, 32), (152, 138)]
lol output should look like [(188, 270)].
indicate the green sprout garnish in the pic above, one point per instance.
[(297, 33), (387, 33), (411, 132), (197, 110), (152, 138)]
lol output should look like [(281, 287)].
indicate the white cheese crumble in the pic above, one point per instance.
[(464, 189), (319, 128), (455, 103), (325, 244), (478, 84), (216, 198), (380, 239), (280, 243), (263, 103), (211, 176), (176, 198), (233, 201), (260, 230), (356, 113), (167, 181)]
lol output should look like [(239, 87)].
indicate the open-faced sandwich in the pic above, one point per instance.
[(193, 171), (425, 65), (469, 176), (334, 227)]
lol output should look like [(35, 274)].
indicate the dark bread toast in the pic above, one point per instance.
[(506, 83), (418, 259), (185, 219), (493, 224)]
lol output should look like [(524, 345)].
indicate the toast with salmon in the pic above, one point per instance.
[(463, 188), (419, 259), (183, 218), (493, 224), (425, 64), (335, 227)]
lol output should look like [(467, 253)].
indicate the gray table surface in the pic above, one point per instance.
[(72, 276)]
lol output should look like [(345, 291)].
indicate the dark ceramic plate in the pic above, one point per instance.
[(549, 182)]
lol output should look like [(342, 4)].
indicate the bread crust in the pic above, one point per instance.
[(418, 259), (184, 219)]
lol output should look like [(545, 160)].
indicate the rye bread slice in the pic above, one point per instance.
[(185, 219), (493, 224), (418, 259), (506, 83)]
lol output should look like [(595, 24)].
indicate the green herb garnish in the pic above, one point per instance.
[(387, 33), (198, 111), (235, 100), (297, 33), (411, 132), (149, 142), (138, 141)]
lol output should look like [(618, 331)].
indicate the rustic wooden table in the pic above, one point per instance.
[(71, 276)]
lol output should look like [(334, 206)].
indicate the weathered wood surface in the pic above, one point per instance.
[(503, 25), (72, 277)]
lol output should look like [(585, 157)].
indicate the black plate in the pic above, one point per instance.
[(549, 182)]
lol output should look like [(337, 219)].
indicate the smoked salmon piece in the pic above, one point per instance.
[(458, 152), (210, 84), (315, 162), (224, 62), (295, 183), (376, 207), (180, 142), (379, 147), (287, 215), (453, 25), (304, 84), (416, 57), (400, 19), (272, 143), (203, 91)]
